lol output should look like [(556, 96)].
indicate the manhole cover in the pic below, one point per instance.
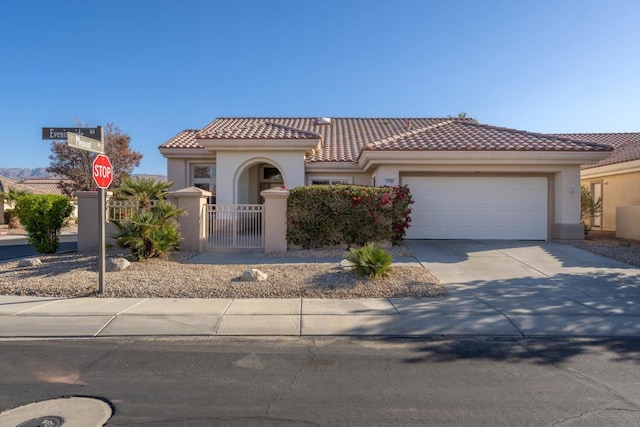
[(69, 412), (48, 421)]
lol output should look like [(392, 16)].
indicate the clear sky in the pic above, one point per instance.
[(156, 67)]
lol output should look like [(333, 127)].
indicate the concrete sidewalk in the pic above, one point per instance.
[(464, 315), (498, 288)]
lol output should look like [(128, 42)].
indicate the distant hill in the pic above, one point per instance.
[(19, 174)]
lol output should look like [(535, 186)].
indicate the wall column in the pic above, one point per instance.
[(566, 216), (192, 224), (275, 220), (88, 227)]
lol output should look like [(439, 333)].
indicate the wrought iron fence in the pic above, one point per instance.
[(235, 226)]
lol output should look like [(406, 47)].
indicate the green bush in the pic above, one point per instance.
[(43, 217), (370, 261), (326, 215), (150, 232)]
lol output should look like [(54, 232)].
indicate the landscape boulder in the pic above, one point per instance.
[(253, 275), (117, 264), (29, 262), (345, 265)]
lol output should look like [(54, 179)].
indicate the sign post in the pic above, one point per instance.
[(91, 139), (102, 175)]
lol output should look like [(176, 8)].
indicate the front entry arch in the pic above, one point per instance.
[(256, 176)]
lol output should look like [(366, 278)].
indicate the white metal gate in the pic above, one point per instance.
[(235, 226)]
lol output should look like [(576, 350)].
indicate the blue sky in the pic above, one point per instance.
[(155, 67)]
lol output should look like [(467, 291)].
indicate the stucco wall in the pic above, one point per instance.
[(230, 166), (617, 190)]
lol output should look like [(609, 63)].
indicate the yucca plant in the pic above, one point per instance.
[(370, 261)]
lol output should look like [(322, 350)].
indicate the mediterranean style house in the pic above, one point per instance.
[(615, 179), (469, 180)]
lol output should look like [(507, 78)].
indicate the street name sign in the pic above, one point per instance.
[(61, 133), (102, 171), (84, 143)]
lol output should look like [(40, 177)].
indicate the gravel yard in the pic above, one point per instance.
[(606, 243), (73, 275)]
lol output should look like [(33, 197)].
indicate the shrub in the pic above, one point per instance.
[(326, 215), (150, 232), (43, 216), (588, 208), (370, 261), (11, 219)]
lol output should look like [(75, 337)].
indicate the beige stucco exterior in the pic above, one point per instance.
[(620, 187)]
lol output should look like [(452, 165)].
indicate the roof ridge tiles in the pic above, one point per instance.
[(410, 132), (550, 136)]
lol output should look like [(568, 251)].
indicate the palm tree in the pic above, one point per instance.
[(144, 189)]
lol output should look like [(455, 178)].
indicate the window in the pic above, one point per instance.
[(204, 177), (329, 180)]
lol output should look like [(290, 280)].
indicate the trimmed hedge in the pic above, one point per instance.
[(327, 215)]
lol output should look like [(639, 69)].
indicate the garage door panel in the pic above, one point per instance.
[(478, 208)]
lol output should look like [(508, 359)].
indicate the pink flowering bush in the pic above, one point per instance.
[(327, 215)]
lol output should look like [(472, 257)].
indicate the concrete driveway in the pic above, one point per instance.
[(541, 287)]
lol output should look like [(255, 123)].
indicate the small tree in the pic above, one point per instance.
[(76, 165), (43, 216), (588, 208)]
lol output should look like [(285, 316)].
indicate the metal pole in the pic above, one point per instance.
[(101, 229)]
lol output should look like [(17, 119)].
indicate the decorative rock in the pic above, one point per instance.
[(253, 275), (29, 262), (345, 265), (117, 264)]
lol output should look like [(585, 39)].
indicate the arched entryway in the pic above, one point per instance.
[(254, 177)]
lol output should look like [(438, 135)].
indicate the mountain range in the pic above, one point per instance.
[(19, 174)]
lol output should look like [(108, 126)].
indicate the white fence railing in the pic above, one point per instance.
[(234, 226)]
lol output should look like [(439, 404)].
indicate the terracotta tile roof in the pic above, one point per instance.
[(7, 184), (43, 185), (344, 138), (626, 146), (185, 139), (464, 135), (260, 130)]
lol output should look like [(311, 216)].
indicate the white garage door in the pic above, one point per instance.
[(506, 208)]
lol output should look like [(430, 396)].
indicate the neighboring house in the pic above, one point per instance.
[(616, 178), (469, 180), (7, 184), (34, 186)]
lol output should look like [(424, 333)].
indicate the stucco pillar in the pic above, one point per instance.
[(566, 215), (275, 220), (192, 224), (88, 227)]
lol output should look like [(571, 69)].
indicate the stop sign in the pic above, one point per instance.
[(102, 171)]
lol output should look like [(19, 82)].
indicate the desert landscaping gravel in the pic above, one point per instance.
[(75, 275), (606, 244)]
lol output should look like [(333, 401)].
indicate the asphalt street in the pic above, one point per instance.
[(21, 251), (334, 381)]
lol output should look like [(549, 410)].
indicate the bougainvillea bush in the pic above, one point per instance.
[(328, 215)]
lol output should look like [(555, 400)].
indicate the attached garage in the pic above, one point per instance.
[(478, 207)]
